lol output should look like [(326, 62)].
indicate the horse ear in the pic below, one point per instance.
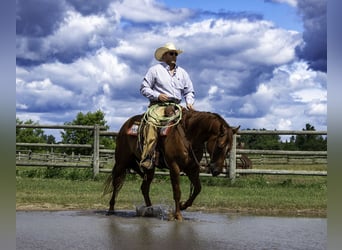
[(236, 129)]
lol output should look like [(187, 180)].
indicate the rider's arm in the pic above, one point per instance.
[(146, 87)]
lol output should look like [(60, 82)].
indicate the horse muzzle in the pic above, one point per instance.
[(215, 169)]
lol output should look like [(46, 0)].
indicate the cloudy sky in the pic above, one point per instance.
[(258, 63)]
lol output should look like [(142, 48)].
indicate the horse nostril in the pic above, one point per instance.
[(215, 173)]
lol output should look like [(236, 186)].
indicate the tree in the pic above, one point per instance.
[(32, 135), (289, 145), (300, 142), (81, 136), (311, 142), (256, 141)]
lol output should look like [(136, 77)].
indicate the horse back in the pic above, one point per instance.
[(129, 123), (126, 143)]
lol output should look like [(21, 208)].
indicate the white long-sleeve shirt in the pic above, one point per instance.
[(158, 81)]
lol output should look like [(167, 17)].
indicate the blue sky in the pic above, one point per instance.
[(259, 64), (283, 15)]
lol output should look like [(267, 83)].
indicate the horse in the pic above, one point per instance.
[(181, 150)]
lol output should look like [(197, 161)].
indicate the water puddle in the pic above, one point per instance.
[(149, 228)]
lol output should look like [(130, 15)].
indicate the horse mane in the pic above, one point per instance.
[(192, 116)]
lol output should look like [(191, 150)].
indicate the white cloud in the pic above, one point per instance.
[(41, 94), (277, 95), (274, 47), (248, 109), (148, 11), (292, 3), (284, 124), (309, 95), (76, 28), (73, 35), (88, 73), (212, 90), (316, 109)]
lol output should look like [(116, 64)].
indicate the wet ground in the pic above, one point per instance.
[(125, 230)]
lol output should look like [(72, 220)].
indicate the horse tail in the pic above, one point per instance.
[(108, 187)]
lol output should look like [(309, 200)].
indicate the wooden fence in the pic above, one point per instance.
[(233, 171), (102, 156), (27, 158)]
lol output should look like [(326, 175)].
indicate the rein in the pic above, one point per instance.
[(211, 156), (205, 146)]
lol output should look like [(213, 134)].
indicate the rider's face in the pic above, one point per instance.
[(170, 57)]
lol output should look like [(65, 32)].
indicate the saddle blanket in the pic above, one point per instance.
[(134, 130)]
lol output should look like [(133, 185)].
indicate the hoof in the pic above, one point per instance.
[(184, 206), (178, 217), (173, 217)]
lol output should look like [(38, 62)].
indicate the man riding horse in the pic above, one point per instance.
[(193, 132), (165, 82)]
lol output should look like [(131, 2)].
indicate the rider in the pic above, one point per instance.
[(163, 82)]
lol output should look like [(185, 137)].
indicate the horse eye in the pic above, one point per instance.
[(222, 140)]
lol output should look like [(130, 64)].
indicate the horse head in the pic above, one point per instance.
[(219, 144)]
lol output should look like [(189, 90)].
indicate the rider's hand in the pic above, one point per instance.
[(163, 98), (190, 106)]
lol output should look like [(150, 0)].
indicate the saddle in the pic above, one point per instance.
[(137, 126), (172, 116)]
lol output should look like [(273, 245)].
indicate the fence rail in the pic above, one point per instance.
[(281, 152), (95, 160)]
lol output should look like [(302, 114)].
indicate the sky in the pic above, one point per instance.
[(261, 64)]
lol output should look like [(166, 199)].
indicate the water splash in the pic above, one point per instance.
[(159, 211)]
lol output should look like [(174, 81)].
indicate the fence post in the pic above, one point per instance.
[(96, 156), (232, 160)]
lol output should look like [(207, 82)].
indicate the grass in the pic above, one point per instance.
[(306, 167), (285, 195)]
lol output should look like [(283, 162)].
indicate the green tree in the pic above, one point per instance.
[(32, 135), (311, 142), (257, 141), (82, 136), (289, 145)]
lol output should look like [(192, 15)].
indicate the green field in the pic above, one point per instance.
[(267, 195)]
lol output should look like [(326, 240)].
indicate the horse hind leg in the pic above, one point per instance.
[(117, 178)]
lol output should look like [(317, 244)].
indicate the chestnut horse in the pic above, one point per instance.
[(181, 151)]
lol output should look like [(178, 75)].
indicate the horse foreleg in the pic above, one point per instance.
[(195, 189), (145, 186), (174, 175)]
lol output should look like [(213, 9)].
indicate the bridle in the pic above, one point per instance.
[(214, 148)]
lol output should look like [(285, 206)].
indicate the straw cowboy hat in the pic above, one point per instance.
[(162, 50)]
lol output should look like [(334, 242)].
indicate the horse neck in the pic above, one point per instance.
[(200, 126)]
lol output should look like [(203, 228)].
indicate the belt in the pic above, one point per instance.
[(171, 100)]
